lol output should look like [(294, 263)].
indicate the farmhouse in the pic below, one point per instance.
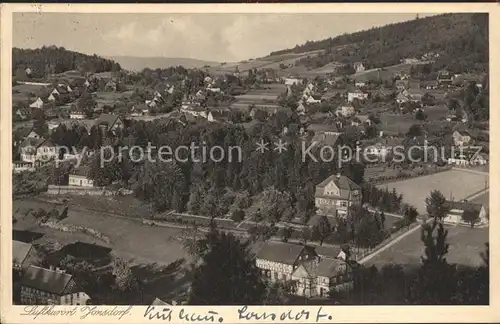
[(37, 149), (109, 122), (41, 286), (38, 103), (292, 81), (23, 113), (110, 86), (335, 195), (356, 94), (458, 208), (346, 109), (277, 260), (334, 274), (78, 177)]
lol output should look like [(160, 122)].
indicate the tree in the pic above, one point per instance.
[(420, 115), (382, 219), (436, 205), (470, 216), (435, 282), (238, 215), (321, 230), (414, 131), (228, 274)]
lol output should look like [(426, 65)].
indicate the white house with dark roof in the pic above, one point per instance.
[(335, 195), (41, 286), (78, 177), (457, 209), (36, 149), (38, 103)]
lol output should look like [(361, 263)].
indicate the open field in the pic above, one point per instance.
[(21, 92), (129, 238), (455, 183), (466, 244)]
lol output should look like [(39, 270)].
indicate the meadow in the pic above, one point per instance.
[(453, 184)]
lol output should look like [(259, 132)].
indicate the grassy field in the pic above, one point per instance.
[(21, 92), (129, 238), (466, 244), (458, 184)]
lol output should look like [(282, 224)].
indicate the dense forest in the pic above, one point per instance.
[(460, 39), (53, 59)]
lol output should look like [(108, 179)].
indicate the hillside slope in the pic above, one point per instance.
[(55, 60), (139, 63), (461, 39)]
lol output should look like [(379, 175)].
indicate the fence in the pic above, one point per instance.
[(92, 191), (389, 239), (383, 180)]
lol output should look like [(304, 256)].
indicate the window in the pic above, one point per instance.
[(77, 295)]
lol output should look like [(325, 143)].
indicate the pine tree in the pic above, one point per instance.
[(227, 274)]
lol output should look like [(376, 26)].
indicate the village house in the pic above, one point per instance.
[(335, 195), (38, 149), (457, 209), (109, 122), (277, 261), (356, 94), (334, 274), (38, 103), (77, 114), (466, 157), (78, 177), (444, 78), (346, 109), (430, 85), (301, 109), (359, 120), (23, 113), (110, 86), (359, 67), (313, 100), (360, 84), (41, 286), (291, 81), (22, 166), (28, 71), (461, 138)]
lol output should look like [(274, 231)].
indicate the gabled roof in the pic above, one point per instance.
[(47, 280), (286, 253), (20, 251), (308, 269), (36, 142), (328, 267), (342, 182), (107, 119), (80, 171)]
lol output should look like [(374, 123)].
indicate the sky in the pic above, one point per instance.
[(212, 37)]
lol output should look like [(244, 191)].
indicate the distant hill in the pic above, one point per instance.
[(55, 60), (139, 63), (460, 39)]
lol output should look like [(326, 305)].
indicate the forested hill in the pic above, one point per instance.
[(52, 59), (461, 39)]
